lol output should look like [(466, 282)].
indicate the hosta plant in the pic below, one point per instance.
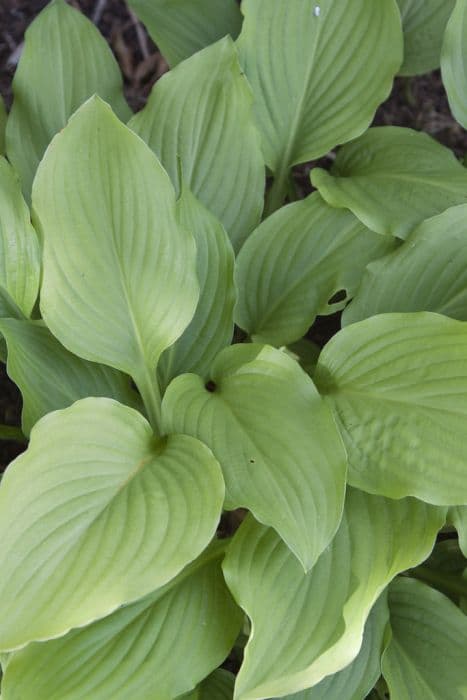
[(210, 506)]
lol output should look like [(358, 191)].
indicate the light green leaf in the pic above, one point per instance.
[(318, 72), (295, 262), (211, 328), (426, 655), (427, 273), (397, 384), (218, 686), (155, 648), (119, 283), (454, 62), (393, 178), (356, 680), (94, 515), (19, 245), (307, 626), (199, 117), (423, 22), (180, 28), (458, 517), (50, 377), (65, 60), (275, 439), (3, 118)]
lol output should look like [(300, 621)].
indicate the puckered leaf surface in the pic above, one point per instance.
[(275, 439), (397, 384), (454, 62), (307, 626), (393, 178), (155, 648), (95, 514)]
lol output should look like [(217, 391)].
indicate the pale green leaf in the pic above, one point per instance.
[(454, 62), (199, 119), (211, 328), (274, 438), (359, 677), (458, 517), (308, 626), (427, 273), (65, 60), (154, 649), (119, 283), (293, 264), (95, 514), (423, 23), (50, 377), (427, 653), (218, 686), (318, 71), (3, 118), (180, 28), (397, 384), (393, 178), (19, 245)]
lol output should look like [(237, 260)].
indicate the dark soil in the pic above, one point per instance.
[(419, 103)]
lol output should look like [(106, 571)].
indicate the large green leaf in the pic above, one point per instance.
[(275, 439), (307, 626), (423, 22), (199, 119), (95, 514), (359, 677), (393, 178), (19, 245), (295, 262), (454, 62), (3, 118), (211, 328), (427, 273), (50, 377), (398, 386), (427, 653), (180, 28), (155, 648), (119, 282), (65, 61), (218, 686), (318, 72)]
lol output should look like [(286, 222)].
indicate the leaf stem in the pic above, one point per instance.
[(276, 196), (10, 432), (148, 387), (448, 583)]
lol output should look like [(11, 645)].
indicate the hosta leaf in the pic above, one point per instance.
[(211, 328), (50, 377), (359, 677), (427, 273), (94, 515), (19, 245), (428, 648), (308, 64), (307, 626), (65, 61), (199, 118), (398, 386), (274, 438), (294, 263), (3, 118), (218, 686), (393, 178), (458, 516), (119, 282), (306, 352), (180, 28), (423, 22), (155, 648), (454, 62)]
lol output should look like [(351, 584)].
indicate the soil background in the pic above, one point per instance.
[(419, 103)]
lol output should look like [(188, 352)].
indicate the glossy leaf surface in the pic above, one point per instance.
[(295, 262), (393, 178), (155, 648), (180, 28), (275, 439), (397, 384), (454, 62), (65, 60), (199, 119), (423, 22), (307, 626), (428, 648), (95, 515)]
